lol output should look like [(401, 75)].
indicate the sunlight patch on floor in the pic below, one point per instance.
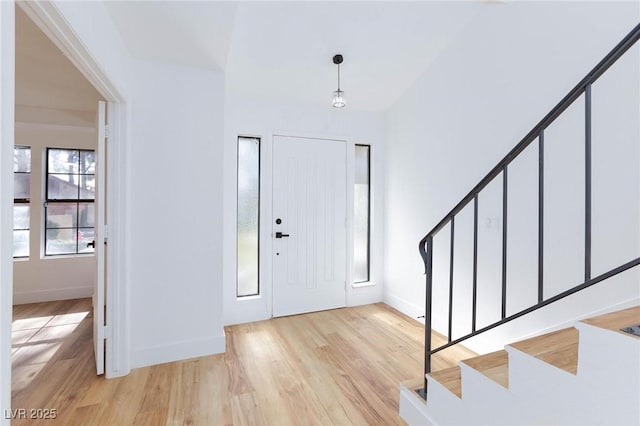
[(35, 342)]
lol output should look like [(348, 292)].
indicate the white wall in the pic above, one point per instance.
[(249, 116), (39, 278), (176, 213), (55, 107), (169, 272), (506, 70)]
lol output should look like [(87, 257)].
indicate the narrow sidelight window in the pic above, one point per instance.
[(70, 196), (362, 213), (21, 199), (248, 283)]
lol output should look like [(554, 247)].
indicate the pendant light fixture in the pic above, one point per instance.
[(338, 96)]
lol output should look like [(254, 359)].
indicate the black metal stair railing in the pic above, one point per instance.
[(537, 133)]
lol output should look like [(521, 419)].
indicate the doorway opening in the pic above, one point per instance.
[(56, 181)]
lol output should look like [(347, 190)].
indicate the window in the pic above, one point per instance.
[(248, 217), (362, 210), (21, 199), (70, 196)]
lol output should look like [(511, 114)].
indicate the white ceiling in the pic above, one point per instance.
[(283, 50), (196, 33)]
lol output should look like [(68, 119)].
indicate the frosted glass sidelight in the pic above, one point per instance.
[(361, 195), (248, 216)]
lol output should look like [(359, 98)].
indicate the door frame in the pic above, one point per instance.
[(47, 17)]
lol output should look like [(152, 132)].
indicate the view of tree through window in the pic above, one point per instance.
[(361, 208), (248, 216), (70, 196), (21, 199)]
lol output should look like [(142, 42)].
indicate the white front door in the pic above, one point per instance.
[(309, 225), (99, 242)]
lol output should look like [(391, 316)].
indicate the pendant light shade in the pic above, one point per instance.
[(339, 100)]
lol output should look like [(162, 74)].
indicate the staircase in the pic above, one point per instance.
[(583, 375)]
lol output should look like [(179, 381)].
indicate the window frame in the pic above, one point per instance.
[(24, 201), (259, 214), (77, 202), (368, 213)]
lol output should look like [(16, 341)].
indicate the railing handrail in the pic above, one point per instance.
[(426, 244), (622, 268), (624, 45)]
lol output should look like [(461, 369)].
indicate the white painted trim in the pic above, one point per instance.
[(23, 297), (242, 310), (178, 351), (350, 193), (7, 109), (53, 24), (117, 285), (363, 284), (48, 18)]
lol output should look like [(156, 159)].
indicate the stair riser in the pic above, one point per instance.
[(620, 353), (529, 376), (490, 402), (609, 367), (605, 389), (444, 407), (477, 386), (413, 409)]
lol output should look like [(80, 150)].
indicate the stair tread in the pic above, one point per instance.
[(484, 362), (494, 365), (559, 348), (616, 320), (450, 378)]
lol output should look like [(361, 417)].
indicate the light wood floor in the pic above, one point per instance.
[(335, 367)]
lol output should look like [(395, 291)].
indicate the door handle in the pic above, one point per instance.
[(281, 235)]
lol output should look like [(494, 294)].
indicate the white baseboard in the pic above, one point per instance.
[(178, 351), (49, 295), (410, 309)]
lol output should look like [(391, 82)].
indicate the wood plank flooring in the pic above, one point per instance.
[(341, 366)]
